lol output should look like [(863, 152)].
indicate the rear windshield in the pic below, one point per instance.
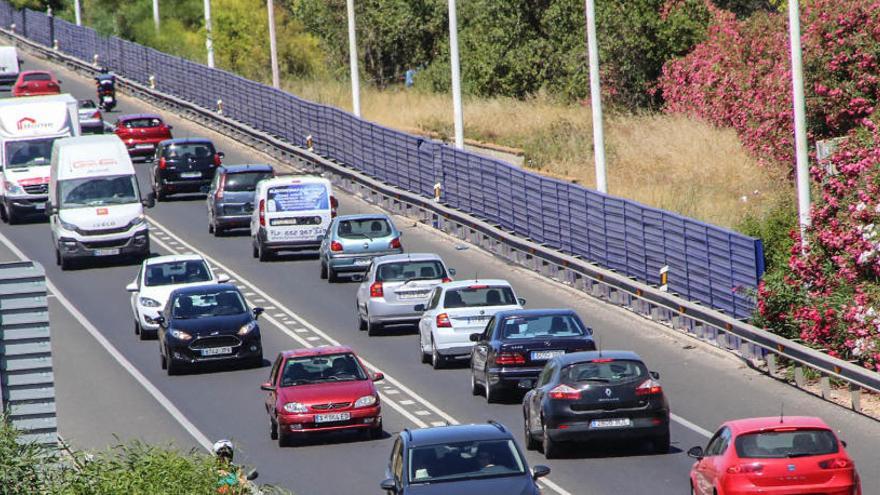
[(601, 371), (530, 327), (151, 122), (39, 76), (190, 150), (369, 228), (298, 197), (325, 368), (410, 270), (177, 272), (475, 296), (785, 444), (245, 181)]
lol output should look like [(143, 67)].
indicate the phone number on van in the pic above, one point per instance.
[(304, 233)]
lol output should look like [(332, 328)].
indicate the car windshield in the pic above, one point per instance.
[(410, 270), (530, 327), (176, 272), (98, 191), (145, 122), (367, 228), (33, 152), (223, 302), (479, 295), (37, 76), (325, 368), (464, 460), (198, 151), (613, 371), (785, 443), (244, 181)]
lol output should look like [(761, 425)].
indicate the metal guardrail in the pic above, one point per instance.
[(761, 349)]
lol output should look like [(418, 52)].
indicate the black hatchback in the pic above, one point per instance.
[(184, 165), (604, 395)]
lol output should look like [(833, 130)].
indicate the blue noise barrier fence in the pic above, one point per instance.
[(715, 266)]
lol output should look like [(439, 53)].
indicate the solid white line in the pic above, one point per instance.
[(691, 426), (125, 363)]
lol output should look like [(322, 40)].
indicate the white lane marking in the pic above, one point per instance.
[(691, 426), (407, 402), (175, 413)]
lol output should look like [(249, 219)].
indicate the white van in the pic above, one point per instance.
[(291, 213), (95, 207), (9, 66)]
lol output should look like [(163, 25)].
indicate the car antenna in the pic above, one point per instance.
[(477, 276), (599, 345), (781, 412)]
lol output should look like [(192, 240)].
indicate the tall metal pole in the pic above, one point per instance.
[(77, 12), (458, 114), (273, 48), (800, 119), (353, 61), (209, 38), (596, 99), (156, 15)]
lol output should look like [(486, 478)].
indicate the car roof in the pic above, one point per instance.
[(28, 72), (132, 116), (535, 312), (747, 425), (457, 433), (201, 288), (585, 356), (318, 351), (363, 216), (186, 140), (171, 258), (458, 284), (250, 167), (391, 258)]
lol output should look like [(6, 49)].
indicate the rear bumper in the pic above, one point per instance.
[(383, 311), (230, 221), (834, 487), (362, 418), (357, 262), (306, 245), (453, 343), (142, 148), (512, 377), (579, 429), (186, 185)]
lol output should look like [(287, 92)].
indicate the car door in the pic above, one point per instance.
[(707, 469), (210, 198), (480, 355), (536, 395), (426, 323), (324, 250), (135, 295), (272, 396)]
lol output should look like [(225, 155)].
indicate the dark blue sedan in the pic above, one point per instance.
[(516, 344), (461, 460)]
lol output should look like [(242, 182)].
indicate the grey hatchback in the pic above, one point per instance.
[(231, 196), (352, 241)]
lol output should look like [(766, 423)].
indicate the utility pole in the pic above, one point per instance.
[(156, 15), (273, 47), (596, 99), (800, 119), (353, 61), (209, 39), (458, 114), (77, 12)]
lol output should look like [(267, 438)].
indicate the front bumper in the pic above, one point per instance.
[(249, 347), (30, 204), (145, 319), (361, 418), (137, 244)]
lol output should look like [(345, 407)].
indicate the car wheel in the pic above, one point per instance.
[(283, 438), (160, 194), (164, 362), (549, 446), (171, 367), (531, 443), (11, 217), (373, 329), (3, 215), (362, 325), (211, 227), (57, 257), (263, 253), (255, 251), (323, 271), (332, 276), (376, 433), (66, 263), (661, 444), (437, 360), (491, 392), (255, 362), (475, 387), (273, 430), (219, 231)]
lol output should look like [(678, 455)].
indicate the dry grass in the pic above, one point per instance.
[(665, 161)]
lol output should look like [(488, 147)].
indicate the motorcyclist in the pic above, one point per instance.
[(232, 481), (106, 83)]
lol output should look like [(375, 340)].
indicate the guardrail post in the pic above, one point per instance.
[(799, 376), (771, 364), (825, 385), (95, 60), (152, 82), (855, 397)]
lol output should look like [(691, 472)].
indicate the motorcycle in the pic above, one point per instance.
[(106, 94)]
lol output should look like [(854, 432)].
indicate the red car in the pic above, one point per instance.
[(319, 390), (774, 456), (36, 83), (141, 133)]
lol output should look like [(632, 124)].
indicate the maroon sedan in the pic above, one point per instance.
[(141, 133), (320, 390), (36, 83)]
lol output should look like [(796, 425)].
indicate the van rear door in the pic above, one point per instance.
[(298, 211)]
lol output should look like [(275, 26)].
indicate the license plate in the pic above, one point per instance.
[(216, 351), (610, 423), (190, 175), (107, 99), (106, 252), (524, 384), (332, 417), (40, 206), (144, 146), (545, 355), (412, 295), (362, 262)]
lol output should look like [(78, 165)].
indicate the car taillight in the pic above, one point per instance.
[(649, 387), (564, 392), (217, 160), (443, 321), (262, 213), (395, 243), (509, 358), (220, 187), (746, 468), (336, 246), (96, 115), (838, 463), (163, 163), (376, 290), (446, 280), (334, 205)]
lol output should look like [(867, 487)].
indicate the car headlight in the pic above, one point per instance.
[(67, 226), (136, 221), (12, 188), (149, 303), (365, 401), (181, 335), (295, 407), (246, 328)]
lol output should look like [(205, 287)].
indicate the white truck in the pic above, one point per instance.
[(9, 66), (28, 127)]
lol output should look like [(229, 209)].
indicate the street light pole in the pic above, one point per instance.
[(77, 12), (458, 114), (273, 48), (596, 99), (209, 38), (156, 15), (800, 119), (353, 61)]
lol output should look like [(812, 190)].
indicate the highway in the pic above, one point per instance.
[(99, 395)]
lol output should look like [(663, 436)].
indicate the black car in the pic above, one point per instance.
[(516, 344), (208, 323), (595, 396), (461, 460), (184, 165), (231, 196)]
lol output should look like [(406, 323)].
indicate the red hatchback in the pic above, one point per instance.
[(36, 83), (319, 390), (774, 456), (141, 133)]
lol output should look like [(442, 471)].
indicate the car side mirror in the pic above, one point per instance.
[(475, 337), (221, 154), (160, 320), (222, 279), (258, 311), (521, 301), (252, 475), (132, 287), (540, 471), (451, 271), (60, 81), (50, 209), (268, 387), (378, 377), (655, 375), (696, 453), (169, 127), (389, 485), (843, 442), (420, 308), (150, 200)]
